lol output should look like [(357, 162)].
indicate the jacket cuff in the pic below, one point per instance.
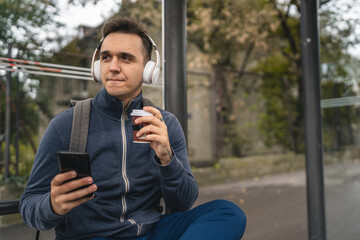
[(172, 170), (47, 212)]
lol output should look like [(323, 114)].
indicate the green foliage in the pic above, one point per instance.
[(339, 73), (282, 122), (266, 36), (277, 83), (23, 105), (26, 157), (233, 34), (237, 138), (338, 121), (148, 12), (27, 27), (17, 181), (224, 28), (20, 21)]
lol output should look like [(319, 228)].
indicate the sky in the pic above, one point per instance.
[(91, 15)]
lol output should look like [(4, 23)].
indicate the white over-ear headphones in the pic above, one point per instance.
[(151, 70)]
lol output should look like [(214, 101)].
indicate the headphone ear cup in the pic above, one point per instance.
[(148, 72), (155, 75), (96, 71)]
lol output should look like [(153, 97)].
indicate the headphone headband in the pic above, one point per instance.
[(100, 43)]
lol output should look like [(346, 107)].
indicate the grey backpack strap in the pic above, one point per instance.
[(80, 126), (73, 102), (148, 102)]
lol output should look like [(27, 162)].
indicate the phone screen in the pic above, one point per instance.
[(75, 161)]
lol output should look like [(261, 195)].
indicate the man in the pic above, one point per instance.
[(128, 179)]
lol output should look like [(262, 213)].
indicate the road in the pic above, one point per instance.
[(275, 206)]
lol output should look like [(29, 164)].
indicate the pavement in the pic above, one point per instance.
[(275, 206)]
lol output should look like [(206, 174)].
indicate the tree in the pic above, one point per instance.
[(339, 70), (234, 34), (262, 39), (20, 23), (281, 86)]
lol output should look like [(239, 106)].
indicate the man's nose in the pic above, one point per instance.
[(115, 66)]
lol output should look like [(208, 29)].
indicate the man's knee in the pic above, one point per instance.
[(228, 209), (227, 214)]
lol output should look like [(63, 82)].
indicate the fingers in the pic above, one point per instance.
[(156, 119), (63, 177), (72, 185), (81, 193), (60, 184), (154, 111), (153, 133), (61, 206), (64, 196), (156, 134), (154, 126)]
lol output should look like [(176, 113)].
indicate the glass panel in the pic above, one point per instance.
[(245, 117), (39, 90), (245, 125), (339, 32)]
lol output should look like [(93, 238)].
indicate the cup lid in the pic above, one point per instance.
[(140, 112)]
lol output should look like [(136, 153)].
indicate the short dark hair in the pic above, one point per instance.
[(126, 25)]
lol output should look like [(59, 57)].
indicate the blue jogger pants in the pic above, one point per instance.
[(215, 220)]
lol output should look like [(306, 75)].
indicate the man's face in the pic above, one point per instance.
[(122, 65)]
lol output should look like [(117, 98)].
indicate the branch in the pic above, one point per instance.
[(323, 2), (245, 59), (286, 29)]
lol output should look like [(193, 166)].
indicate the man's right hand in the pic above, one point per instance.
[(63, 200)]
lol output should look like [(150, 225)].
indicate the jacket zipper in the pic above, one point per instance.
[(139, 229), (126, 180)]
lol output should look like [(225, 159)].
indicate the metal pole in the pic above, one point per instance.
[(313, 126), (175, 59)]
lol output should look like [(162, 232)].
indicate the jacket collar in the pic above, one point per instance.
[(113, 107)]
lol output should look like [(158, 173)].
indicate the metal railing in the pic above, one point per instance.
[(9, 207)]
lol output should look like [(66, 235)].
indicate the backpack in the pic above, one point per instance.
[(81, 119)]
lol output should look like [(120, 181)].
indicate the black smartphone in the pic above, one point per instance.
[(75, 161)]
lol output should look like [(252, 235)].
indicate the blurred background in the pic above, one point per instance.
[(245, 122)]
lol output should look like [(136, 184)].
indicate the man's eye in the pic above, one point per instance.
[(126, 58), (105, 57)]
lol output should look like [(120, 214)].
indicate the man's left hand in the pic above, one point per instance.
[(156, 134)]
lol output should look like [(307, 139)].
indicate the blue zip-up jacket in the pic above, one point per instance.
[(129, 176)]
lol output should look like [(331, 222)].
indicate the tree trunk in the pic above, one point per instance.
[(1, 133), (219, 128), (7, 125), (337, 118), (299, 134), (7, 120), (287, 100), (350, 130), (28, 136), (17, 103)]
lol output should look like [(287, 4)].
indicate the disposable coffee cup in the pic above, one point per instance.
[(136, 113)]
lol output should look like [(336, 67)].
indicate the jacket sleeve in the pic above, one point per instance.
[(178, 185), (35, 206)]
